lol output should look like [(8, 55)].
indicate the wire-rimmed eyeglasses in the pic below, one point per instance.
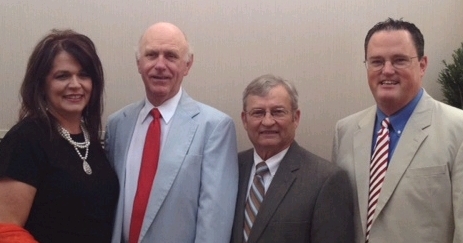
[(376, 64), (259, 114)]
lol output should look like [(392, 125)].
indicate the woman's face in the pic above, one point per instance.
[(68, 88)]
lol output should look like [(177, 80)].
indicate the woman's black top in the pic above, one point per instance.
[(69, 205)]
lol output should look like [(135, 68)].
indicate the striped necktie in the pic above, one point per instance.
[(378, 167), (256, 195)]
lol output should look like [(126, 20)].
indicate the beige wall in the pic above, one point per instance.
[(317, 44)]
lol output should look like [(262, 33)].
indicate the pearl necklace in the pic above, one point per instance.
[(78, 145)]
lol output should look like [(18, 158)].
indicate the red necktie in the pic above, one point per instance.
[(149, 165), (378, 169)]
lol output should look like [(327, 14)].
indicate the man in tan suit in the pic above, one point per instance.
[(420, 198)]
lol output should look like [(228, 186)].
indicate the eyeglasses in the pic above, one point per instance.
[(376, 64), (259, 114)]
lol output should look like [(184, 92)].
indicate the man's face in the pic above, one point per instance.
[(163, 62), (270, 134), (394, 88)]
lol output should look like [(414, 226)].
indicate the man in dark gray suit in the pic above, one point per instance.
[(286, 193)]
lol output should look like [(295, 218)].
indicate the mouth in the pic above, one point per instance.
[(160, 77), (388, 82), (268, 132), (74, 97)]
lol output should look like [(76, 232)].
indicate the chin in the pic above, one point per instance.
[(268, 144), (158, 90), (386, 96)]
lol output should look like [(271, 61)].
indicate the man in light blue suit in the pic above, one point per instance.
[(193, 195)]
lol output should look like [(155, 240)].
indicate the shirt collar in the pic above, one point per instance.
[(400, 118), (167, 109), (272, 162)]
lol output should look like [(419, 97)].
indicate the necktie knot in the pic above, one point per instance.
[(155, 113), (385, 123), (261, 169)]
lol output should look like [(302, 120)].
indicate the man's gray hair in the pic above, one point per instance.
[(262, 85)]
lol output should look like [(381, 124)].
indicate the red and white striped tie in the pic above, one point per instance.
[(378, 167)]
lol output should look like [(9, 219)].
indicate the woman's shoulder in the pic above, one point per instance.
[(27, 129), (21, 151)]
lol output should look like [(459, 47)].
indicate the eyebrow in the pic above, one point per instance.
[(272, 108), (393, 56)]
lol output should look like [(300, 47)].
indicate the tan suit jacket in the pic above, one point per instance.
[(422, 196)]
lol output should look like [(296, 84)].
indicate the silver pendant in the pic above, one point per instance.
[(87, 168)]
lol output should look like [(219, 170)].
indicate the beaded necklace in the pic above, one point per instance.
[(78, 145)]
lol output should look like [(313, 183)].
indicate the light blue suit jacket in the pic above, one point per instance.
[(421, 199), (194, 192)]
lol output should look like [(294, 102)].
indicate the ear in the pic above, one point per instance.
[(423, 65), (244, 120), (188, 65), (297, 117), (138, 64)]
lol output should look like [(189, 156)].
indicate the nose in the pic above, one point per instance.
[(268, 119), (160, 63), (388, 68), (75, 81)]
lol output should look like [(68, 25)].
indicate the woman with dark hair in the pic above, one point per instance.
[(56, 184)]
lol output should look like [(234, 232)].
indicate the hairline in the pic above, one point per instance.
[(262, 85)]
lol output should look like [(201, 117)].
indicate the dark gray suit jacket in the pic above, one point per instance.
[(308, 200)]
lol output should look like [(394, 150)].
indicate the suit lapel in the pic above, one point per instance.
[(362, 153), (121, 146), (245, 166), (128, 123), (179, 139), (413, 135), (281, 183)]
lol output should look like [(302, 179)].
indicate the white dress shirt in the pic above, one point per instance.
[(272, 163), (135, 153)]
